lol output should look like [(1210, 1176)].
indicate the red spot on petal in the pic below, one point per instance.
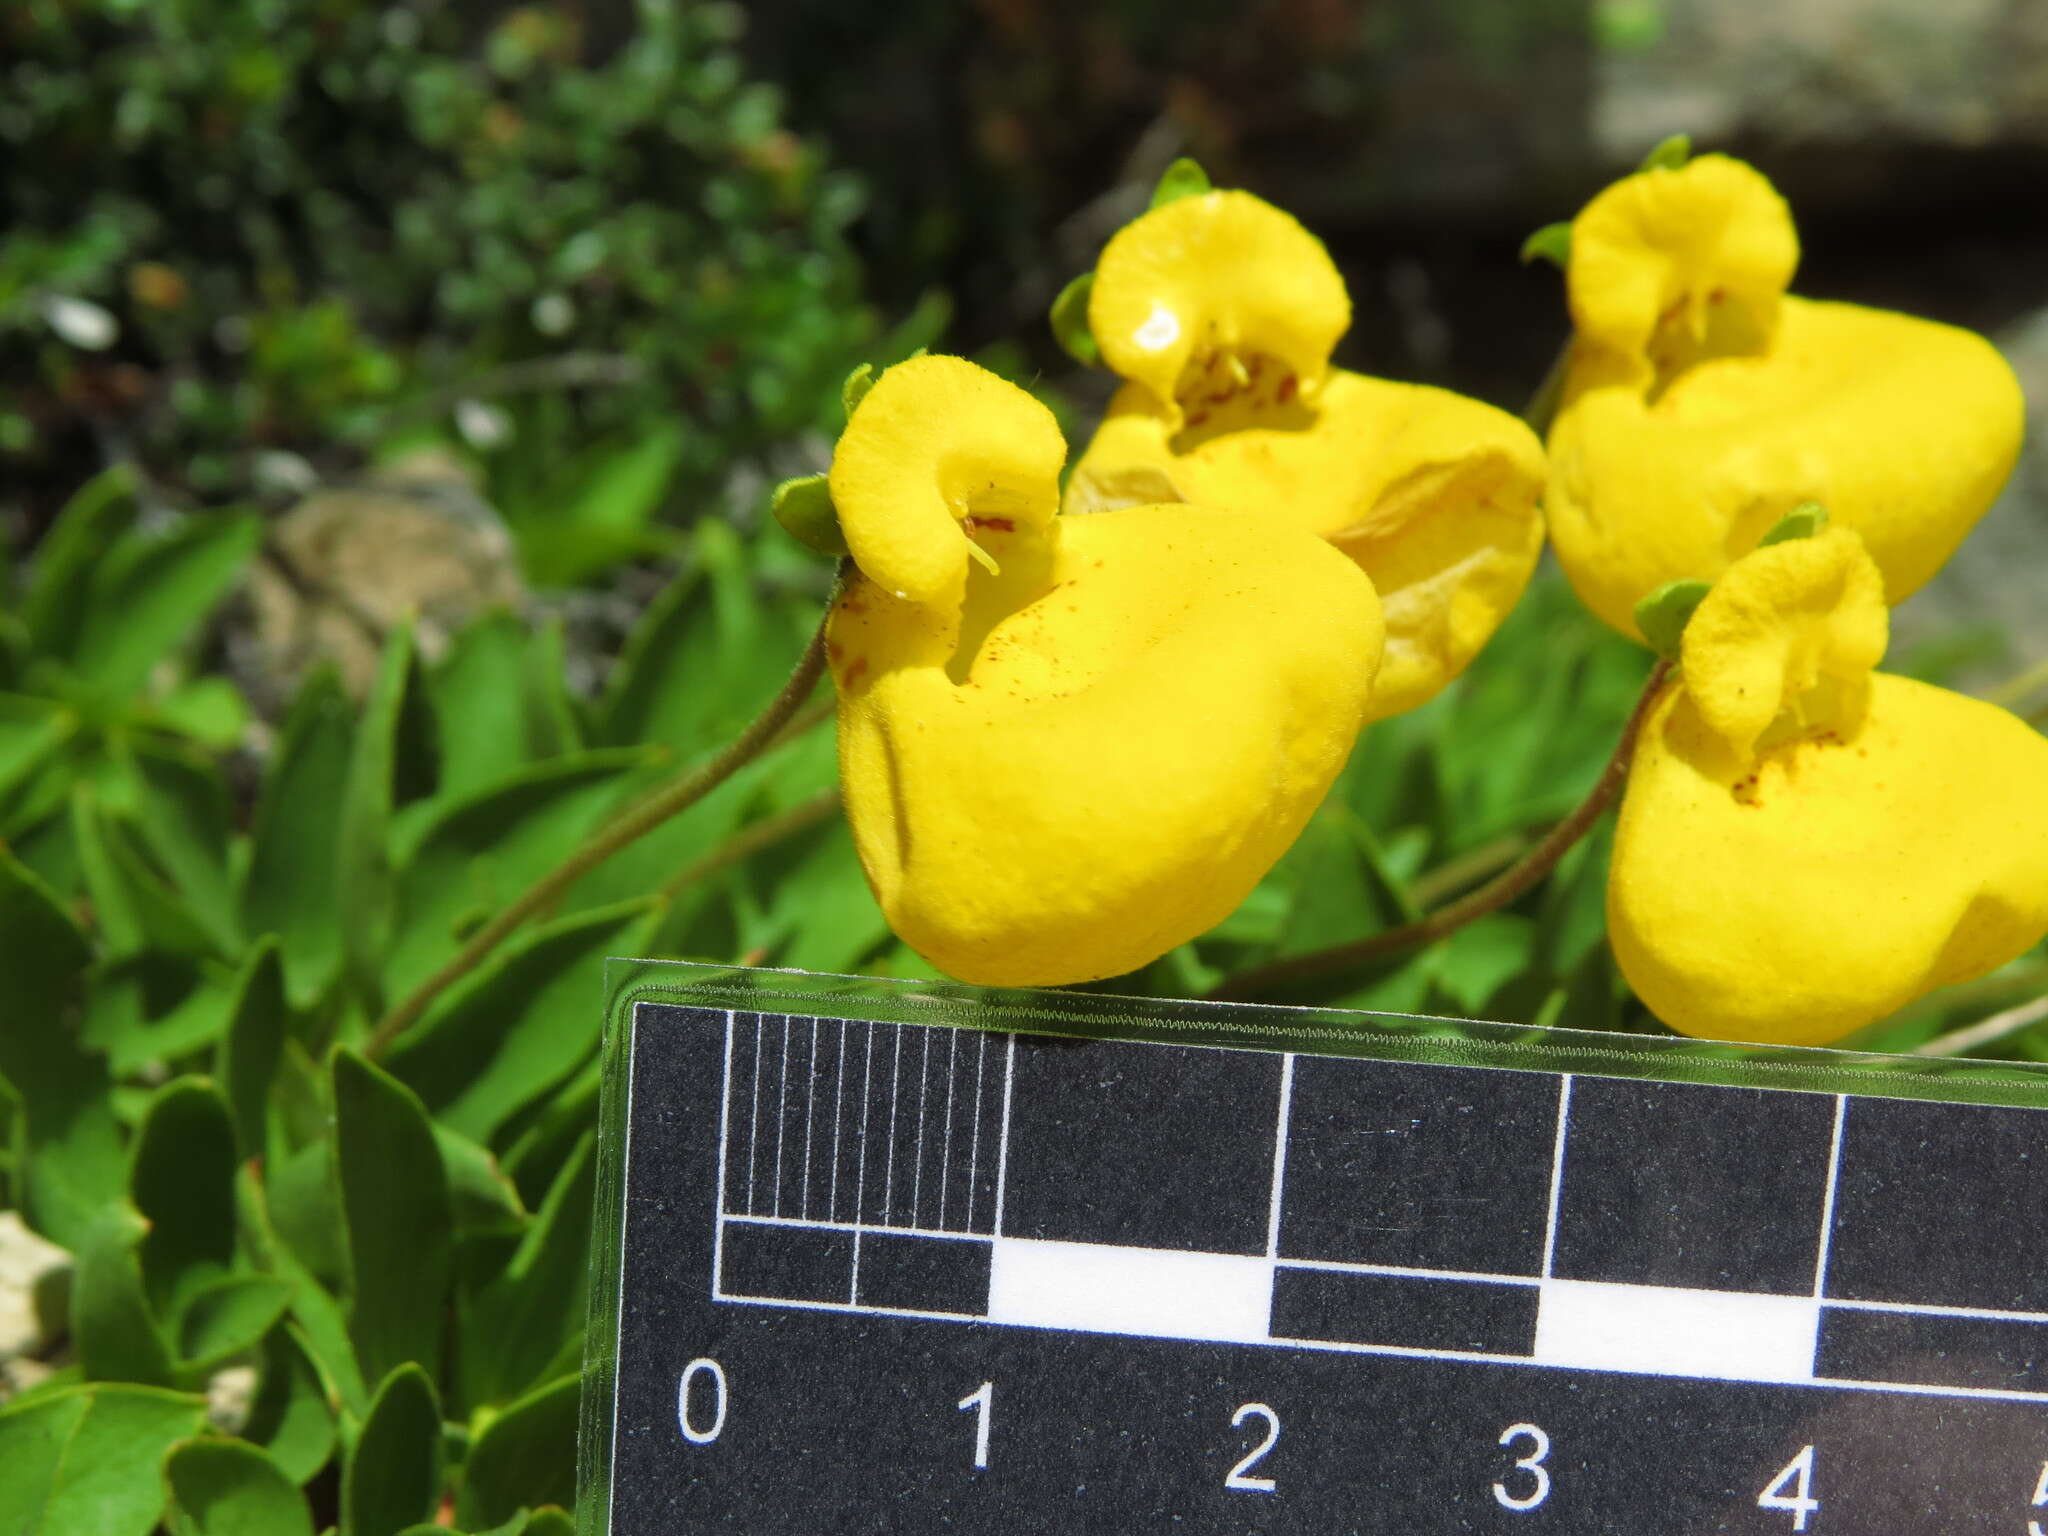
[(1288, 387)]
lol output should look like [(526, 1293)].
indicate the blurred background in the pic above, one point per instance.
[(606, 262)]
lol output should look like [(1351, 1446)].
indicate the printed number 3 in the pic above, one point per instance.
[(1532, 1464), (1240, 1475)]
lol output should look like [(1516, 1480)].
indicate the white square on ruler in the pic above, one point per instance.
[(1665, 1330)]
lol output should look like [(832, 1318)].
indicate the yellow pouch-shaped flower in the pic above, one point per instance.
[(1702, 402), (1080, 741), (1221, 311), (1807, 845)]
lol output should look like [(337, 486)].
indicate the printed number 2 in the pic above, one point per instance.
[(979, 1399), (2040, 1498), (1792, 1489), (1240, 1475), (1539, 1488)]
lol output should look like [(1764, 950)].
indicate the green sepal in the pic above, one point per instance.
[(804, 508), (1551, 243), (1802, 522), (1183, 178), (1070, 322), (856, 387), (1669, 155), (1663, 615)]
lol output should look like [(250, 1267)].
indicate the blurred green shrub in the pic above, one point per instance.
[(308, 224)]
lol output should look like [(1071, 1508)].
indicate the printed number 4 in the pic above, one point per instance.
[(1792, 1489), (2040, 1498)]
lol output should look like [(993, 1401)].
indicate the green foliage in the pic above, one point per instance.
[(197, 945), (234, 227)]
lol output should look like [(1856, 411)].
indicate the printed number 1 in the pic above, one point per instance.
[(1792, 1489), (2040, 1498), (979, 1399)]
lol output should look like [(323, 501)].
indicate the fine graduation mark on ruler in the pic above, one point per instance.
[(847, 1192)]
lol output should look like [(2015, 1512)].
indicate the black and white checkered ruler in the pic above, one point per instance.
[(904, 1278)]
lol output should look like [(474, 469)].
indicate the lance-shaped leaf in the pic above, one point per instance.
[(182, 1181), (526, 1456), (294, 863), (151, 590), (397, 1215), (246, 1059), (116, 1334), (393, 1475)]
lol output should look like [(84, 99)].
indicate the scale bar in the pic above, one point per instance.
[(1141, 1292)]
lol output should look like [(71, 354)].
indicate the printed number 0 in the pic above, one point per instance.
[(1792, 1489), (691, 1371), (1239, 1478), (1531, 1464), (2040, 1498)]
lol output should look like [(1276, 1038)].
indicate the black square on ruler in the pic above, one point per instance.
[(1143, 1146), (1720, 1189), (1420, 1167), (1941, 1205), (785, 1263), (923, 1274), (1407, 1311)]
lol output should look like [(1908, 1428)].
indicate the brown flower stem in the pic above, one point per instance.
[(662, 803), (1538, 862)]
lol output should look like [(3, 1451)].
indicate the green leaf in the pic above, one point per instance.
[(150, 591), (855, 388), (1664, 613), (376, 768), (485, 1199), (116, 1335), (1483, 956), (231, 1488), (135, 910), (183, 1184), (397, 1214), (526, 1456), (294, 864), (1183, 178), (514, 1326), (1069, 317), (393, 1477), (821, 914), (601, 509), (1551, 243), (226, 1319), (291, 1416), (483, 851), (246, 1059), (75, 1161), (55, 606), (209, 710), (186, 821), (803, 506), (1669, 155), (322, 1325), (32, 733), (487, 725), (694, 668), (517, 1026), (1802, 522), (305, 1210), (85, 1460)]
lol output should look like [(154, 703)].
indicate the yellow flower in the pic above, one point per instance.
[(1220, 312), (1808, 845), (1069, 744), (1703, 402)]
